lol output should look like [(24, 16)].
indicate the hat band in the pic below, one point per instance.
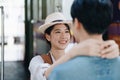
[(57, 21)]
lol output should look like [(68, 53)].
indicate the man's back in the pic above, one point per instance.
[(87, 68)]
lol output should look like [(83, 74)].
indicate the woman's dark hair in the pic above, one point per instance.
[(48, 31)]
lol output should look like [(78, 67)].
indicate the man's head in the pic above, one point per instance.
[(94, 15)]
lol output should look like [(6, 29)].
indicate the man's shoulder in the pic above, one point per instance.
[(86, 61), (92, 67)]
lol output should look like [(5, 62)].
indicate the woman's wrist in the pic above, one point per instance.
[(77, 50)]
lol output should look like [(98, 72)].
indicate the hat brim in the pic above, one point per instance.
[(43, 27)]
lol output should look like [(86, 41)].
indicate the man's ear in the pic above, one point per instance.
[(77, 24), (47, 37)]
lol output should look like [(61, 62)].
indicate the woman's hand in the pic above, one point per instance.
[(91, 47), (110, 49)]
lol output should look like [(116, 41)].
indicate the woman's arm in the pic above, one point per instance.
[(37, 68), (107, 49), (89, 48)]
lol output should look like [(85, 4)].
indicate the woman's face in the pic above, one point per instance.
[(59, 37)]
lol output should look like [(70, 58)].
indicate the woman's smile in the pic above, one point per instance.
[(63, 41)]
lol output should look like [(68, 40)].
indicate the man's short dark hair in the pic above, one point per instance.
[(95, 15)]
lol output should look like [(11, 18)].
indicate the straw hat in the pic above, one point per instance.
[(52, 19)]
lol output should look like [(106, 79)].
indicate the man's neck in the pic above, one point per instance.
[(95, 36)]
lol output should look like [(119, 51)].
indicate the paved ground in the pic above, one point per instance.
[(15, 71)]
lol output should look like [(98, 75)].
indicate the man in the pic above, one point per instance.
[(90, 19)]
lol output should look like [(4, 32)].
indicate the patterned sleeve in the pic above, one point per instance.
[(37, 68)]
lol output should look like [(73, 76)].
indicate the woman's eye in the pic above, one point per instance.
[(67, 31), (57, 32)]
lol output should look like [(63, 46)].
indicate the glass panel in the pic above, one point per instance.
[(14, 29), (14, 39)]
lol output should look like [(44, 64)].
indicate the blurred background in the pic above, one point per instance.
[(22, 39)]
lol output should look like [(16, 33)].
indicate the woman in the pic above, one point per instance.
[(57, 33)]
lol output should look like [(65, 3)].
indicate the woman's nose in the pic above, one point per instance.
[(64, 35)]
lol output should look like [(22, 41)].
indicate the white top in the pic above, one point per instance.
[(37, 68)]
